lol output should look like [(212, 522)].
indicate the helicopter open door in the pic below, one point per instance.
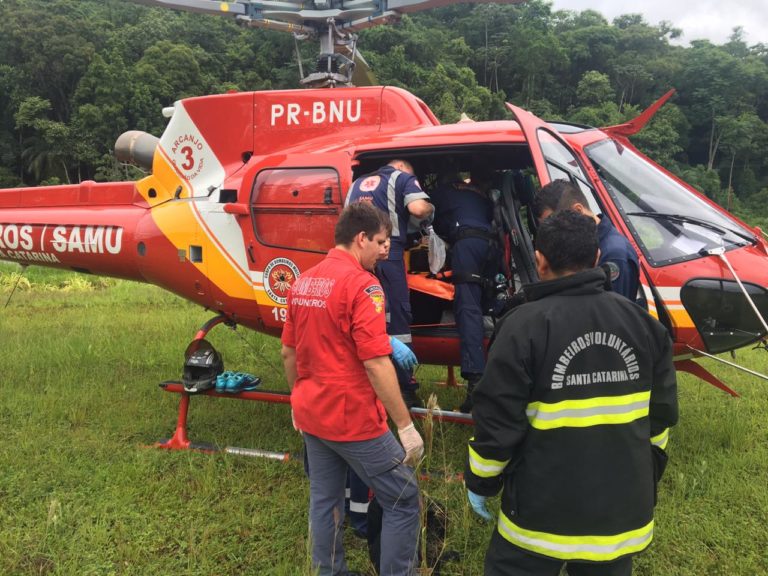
[(554, 159)]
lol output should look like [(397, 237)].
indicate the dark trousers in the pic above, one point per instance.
[(356, 503), (391, 274), (470, 256), (505, 559)]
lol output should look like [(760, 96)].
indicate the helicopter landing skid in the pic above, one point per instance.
[(180, 440), (450, 379)]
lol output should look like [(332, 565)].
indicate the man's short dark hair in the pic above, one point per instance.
[(406, 164), (557, 196), (360, 217), (568, 240)]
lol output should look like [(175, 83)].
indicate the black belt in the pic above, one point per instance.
[(467, 232)]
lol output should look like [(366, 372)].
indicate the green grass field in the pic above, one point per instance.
[(82, 492)]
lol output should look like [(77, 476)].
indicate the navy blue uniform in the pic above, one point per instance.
[(464, 216), (356, 503), (391, 190), (621, 258)]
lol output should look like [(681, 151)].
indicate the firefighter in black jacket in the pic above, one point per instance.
[(572, 418)]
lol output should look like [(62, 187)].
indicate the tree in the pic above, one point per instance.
[(594, 88), (51, 52), (663, 138), (604, 114), (714, 86), (738, 137), (45, 145), (630, 75)]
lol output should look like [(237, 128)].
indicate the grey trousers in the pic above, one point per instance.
[(378, 462)]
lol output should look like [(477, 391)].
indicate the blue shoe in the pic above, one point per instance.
[(242, 381), (235, 383), (252, 383), (222, 381)]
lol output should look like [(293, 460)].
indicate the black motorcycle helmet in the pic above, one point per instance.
[(201, 367)]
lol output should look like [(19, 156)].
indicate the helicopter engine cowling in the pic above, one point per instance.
[(136, 147)]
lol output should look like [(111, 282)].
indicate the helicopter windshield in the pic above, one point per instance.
[(669, 223)]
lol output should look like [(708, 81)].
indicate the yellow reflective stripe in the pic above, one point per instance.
[(594, 548), (589, 412), (484, 467), (661, 440), (595, 402)]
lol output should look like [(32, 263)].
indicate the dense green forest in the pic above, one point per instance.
[(75, 74)]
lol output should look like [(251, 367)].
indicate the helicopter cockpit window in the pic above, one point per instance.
[(296, 208), (561, 163), (669, 223)]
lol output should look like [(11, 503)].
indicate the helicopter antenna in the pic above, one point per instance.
[(298, 56), (16, 284), (334, 23)]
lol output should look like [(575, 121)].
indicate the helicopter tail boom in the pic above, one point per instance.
[(86, 227)]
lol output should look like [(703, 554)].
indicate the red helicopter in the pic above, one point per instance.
[(245, 189)]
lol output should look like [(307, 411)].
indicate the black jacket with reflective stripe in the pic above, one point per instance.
[(578, 381)]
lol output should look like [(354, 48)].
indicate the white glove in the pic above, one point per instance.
[(412, 443), (436, 251)]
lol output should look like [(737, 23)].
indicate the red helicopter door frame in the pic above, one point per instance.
[(560, 161), (531, 126)]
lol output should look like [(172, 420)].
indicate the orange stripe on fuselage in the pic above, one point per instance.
[(183, 227)]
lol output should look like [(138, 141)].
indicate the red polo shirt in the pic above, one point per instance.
[(336, 321)]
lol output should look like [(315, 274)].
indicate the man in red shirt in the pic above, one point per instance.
[(336, 358)]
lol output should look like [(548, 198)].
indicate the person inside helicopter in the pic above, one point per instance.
[(464, 216), (617, 255), (394, 189)]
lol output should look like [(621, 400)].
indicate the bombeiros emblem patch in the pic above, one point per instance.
[(279, 275), (376, 294)]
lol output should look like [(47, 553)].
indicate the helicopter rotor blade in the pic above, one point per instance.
[(200, 6), (408, 6), (363, 75)]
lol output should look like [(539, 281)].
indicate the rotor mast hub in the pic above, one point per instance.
[(334, 22)]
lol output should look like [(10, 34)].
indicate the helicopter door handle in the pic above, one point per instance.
[(328, 196), (237, 209)]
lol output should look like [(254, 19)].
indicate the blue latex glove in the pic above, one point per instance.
[(478, 505), (403, 355)]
